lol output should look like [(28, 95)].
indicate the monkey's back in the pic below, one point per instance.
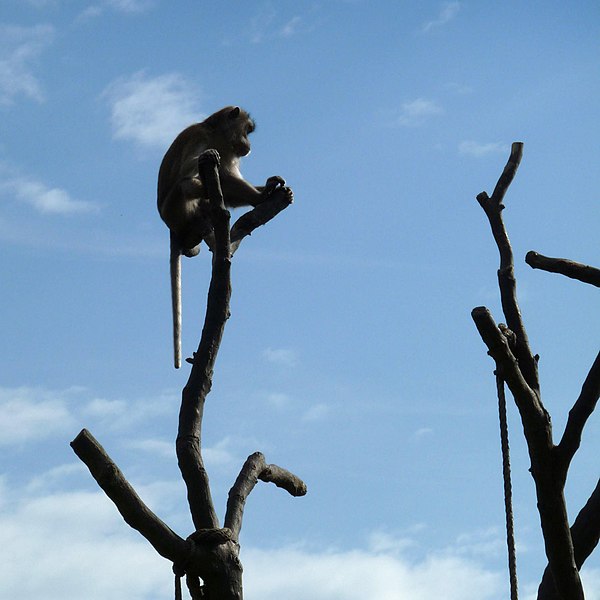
[(180, 160)]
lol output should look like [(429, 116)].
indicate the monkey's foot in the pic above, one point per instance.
[(209, 158), (191, 252), (286, 192), (273, 183)]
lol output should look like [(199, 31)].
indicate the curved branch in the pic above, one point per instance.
[(256, 468), (506, 277), (579, 414), (136, 514), (563, 266), (260, 215)]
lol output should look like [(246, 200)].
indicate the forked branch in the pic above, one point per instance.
[(516, 364), (208, 557)]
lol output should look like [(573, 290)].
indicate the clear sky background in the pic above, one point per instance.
[(350, 357)]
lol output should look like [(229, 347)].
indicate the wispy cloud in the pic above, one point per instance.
[(416, 112), (317, 412), (267, 24), (45, 199), (291, 27), (281, 356), (478, 149), (150, 111), (20, 48), (448, 11), (131, 7)]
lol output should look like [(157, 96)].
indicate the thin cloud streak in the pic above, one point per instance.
[(19, 51), (448, 12)]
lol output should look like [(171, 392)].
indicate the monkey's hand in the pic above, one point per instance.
[(272, 184), (209, 158), (283, 192)]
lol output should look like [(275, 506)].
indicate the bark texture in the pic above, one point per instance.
[(566, 548), (208, 557)]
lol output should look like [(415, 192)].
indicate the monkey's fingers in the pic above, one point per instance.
[(273, 183), (209, 158)]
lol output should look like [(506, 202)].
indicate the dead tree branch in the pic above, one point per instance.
[(585, 532), (516, 364), (209, 557), (563, 266), (256, 468), (493, 208), (136, 514), (260, 215)]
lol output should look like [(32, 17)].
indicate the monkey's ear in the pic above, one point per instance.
[(235, 113)]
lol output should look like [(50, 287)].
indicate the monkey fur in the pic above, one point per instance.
[(182, 201)]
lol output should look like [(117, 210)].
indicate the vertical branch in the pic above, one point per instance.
[(515, 363), (493, 208), (200, 380)]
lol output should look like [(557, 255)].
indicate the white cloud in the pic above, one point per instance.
[(448, 11), (19, 49), (160, 448), (220, 454), (423, 432), (81, 548), (296, 574), (130, 7), (278, 400), (151, 111), (478, 149), (291, 27), (30, 414), (281, 356), (416, 112), (105, 409), (46, 200), (316, 412)]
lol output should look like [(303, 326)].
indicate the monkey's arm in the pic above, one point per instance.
[(238, 192)]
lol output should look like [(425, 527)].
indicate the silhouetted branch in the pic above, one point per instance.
[(515, 363), (133, 510), (256, 468), (258, 216), (507, 366), (209, 557), (198, 386), (493, 208), (585, 533), (579, 414), (569, 268)]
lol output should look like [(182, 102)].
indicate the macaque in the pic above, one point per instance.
[(182, 201)]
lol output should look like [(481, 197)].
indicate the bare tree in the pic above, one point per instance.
[(566, 547), (209, 557)]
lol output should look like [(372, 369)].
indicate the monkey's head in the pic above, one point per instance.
[(233, 125)]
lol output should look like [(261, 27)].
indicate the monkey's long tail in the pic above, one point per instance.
[(175, 267)]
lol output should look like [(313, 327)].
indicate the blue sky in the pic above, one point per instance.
[(350, 357)]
